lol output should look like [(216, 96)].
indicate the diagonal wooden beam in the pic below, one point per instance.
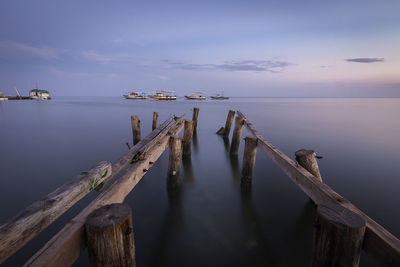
[(66, 246), (378, 242)]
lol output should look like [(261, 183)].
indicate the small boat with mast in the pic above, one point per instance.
[(135, 95), (198, 96), (164, 95)]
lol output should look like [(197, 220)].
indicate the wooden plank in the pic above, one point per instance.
[(139, 148), (31, 221), (378, 242), (66, 246), (27, 224)]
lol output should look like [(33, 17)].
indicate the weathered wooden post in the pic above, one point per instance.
[(155, 118), (194, 119), (249, 160), (237, 132), (339, 235), (135, 129), (109, 235), (224, 131), (307, 159), (174, 164), (187, 138)]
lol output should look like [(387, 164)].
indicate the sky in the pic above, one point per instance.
[(279, 48)]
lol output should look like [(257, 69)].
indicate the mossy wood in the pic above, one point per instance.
[(27, 224), (66, 246)]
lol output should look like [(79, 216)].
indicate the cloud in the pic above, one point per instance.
[(98, 58), (239, 65), (365, 60), (10, 48), (163, 78)]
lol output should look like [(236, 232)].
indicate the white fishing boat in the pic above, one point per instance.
[(198, 96), (164, 95), (39, 94), (135, 95)]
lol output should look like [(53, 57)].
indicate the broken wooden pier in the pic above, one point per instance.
[(105, 225)]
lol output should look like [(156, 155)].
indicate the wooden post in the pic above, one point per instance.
[(339, 235), (224, 131), (195, 118), (307, 159), (249, 160), (109, 235), (174, 164), (237, 132), (187, 138), (155, 118), (135, 129)]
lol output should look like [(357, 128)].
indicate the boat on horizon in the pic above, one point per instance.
[(2, 97), (219, 97), (38, 94), (164, 95), (198, 96), (135, 95)]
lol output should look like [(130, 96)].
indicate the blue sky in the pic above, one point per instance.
[(246, 48)]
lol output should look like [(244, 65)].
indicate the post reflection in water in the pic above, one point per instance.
[(234, 160), (257, 242), (226, 143), (173, 222), (187, 171), (301, 234), (195, 143)]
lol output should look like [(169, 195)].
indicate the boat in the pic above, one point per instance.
[(219, 97), (39, 94), (135, 95), (2, 97), (199, 96), (164, 95)]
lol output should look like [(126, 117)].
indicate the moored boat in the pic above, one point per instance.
[(2, 97), (164, 95), (135, 95), (39, 94), (219, 97), (199, 96)]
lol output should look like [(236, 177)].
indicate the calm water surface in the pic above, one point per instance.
[(210, 223)]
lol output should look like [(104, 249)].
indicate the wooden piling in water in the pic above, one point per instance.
[(249, 160), (174, 164), (224, 131), (155, 118), (237, 132), (135, 129), (194, 119), (109, 235), (339, 235), (187, 138), (307, 159)]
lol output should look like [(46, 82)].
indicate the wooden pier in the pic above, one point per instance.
[(105, 225)]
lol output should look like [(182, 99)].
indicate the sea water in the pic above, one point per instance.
[(211, 223)]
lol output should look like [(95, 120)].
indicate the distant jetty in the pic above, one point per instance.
[(34, 94)]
